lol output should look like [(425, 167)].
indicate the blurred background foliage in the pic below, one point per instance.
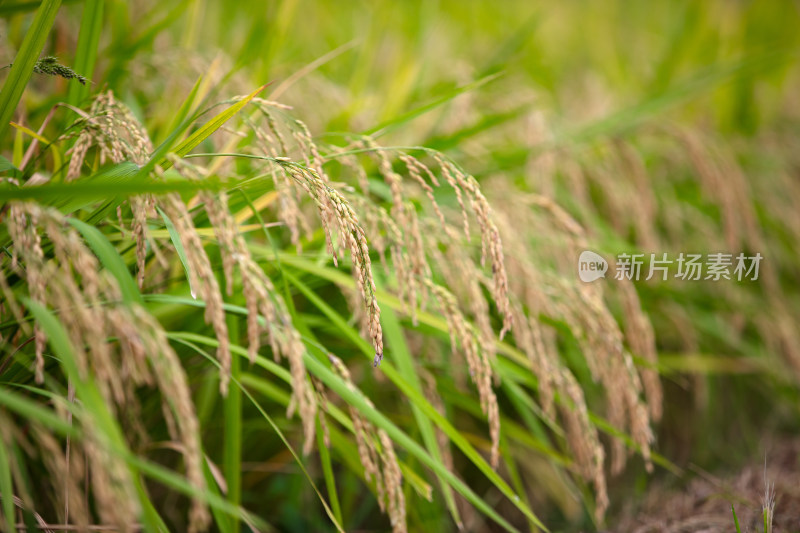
[(659, 127)]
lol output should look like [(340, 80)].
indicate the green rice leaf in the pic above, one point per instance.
[(86, 53), (176, 242), (110, 259), (6, 487), (211, 126), (22, 68)]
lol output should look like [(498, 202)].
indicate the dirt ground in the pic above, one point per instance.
[(705, 505)]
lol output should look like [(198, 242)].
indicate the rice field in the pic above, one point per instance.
[(399, 266)]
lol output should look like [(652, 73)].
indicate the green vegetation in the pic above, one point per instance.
[(312, 266)]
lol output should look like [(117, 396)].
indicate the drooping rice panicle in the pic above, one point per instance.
[(378, 458), (122, 346)]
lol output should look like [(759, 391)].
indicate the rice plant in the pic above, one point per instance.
[(245, 289)]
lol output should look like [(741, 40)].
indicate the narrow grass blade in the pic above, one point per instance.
[(31, 410), (82, 192), (176, 242), (327, 472), (212, 125), (507, 368), (6, 487), (22, 68), (171, 479), (86, 53), (484, 124), (299, 74), (8, 166), (401, 355), (103, 421), (220, 518), (53, 148), (282, 397), (394, 123), (354, 398), (17, 149), (417, 399), (8, 9), (102, 180), (96, 410), (403, 440), (110, 259), (232, 441), (186, 107), (513, 473), (384, 298), (241, 352)]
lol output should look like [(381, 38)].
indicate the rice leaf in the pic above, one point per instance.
[(176, 242), (82, 192), (57, 157), (86, 53), (22, 67), (7, 166), (405, 441), (110, 259), (220, 519), (211, 126), (103, 421), (6, 487), (327, 472), (418, 400), (389, 125), (401, 355), (241, 352), (232, 436)]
